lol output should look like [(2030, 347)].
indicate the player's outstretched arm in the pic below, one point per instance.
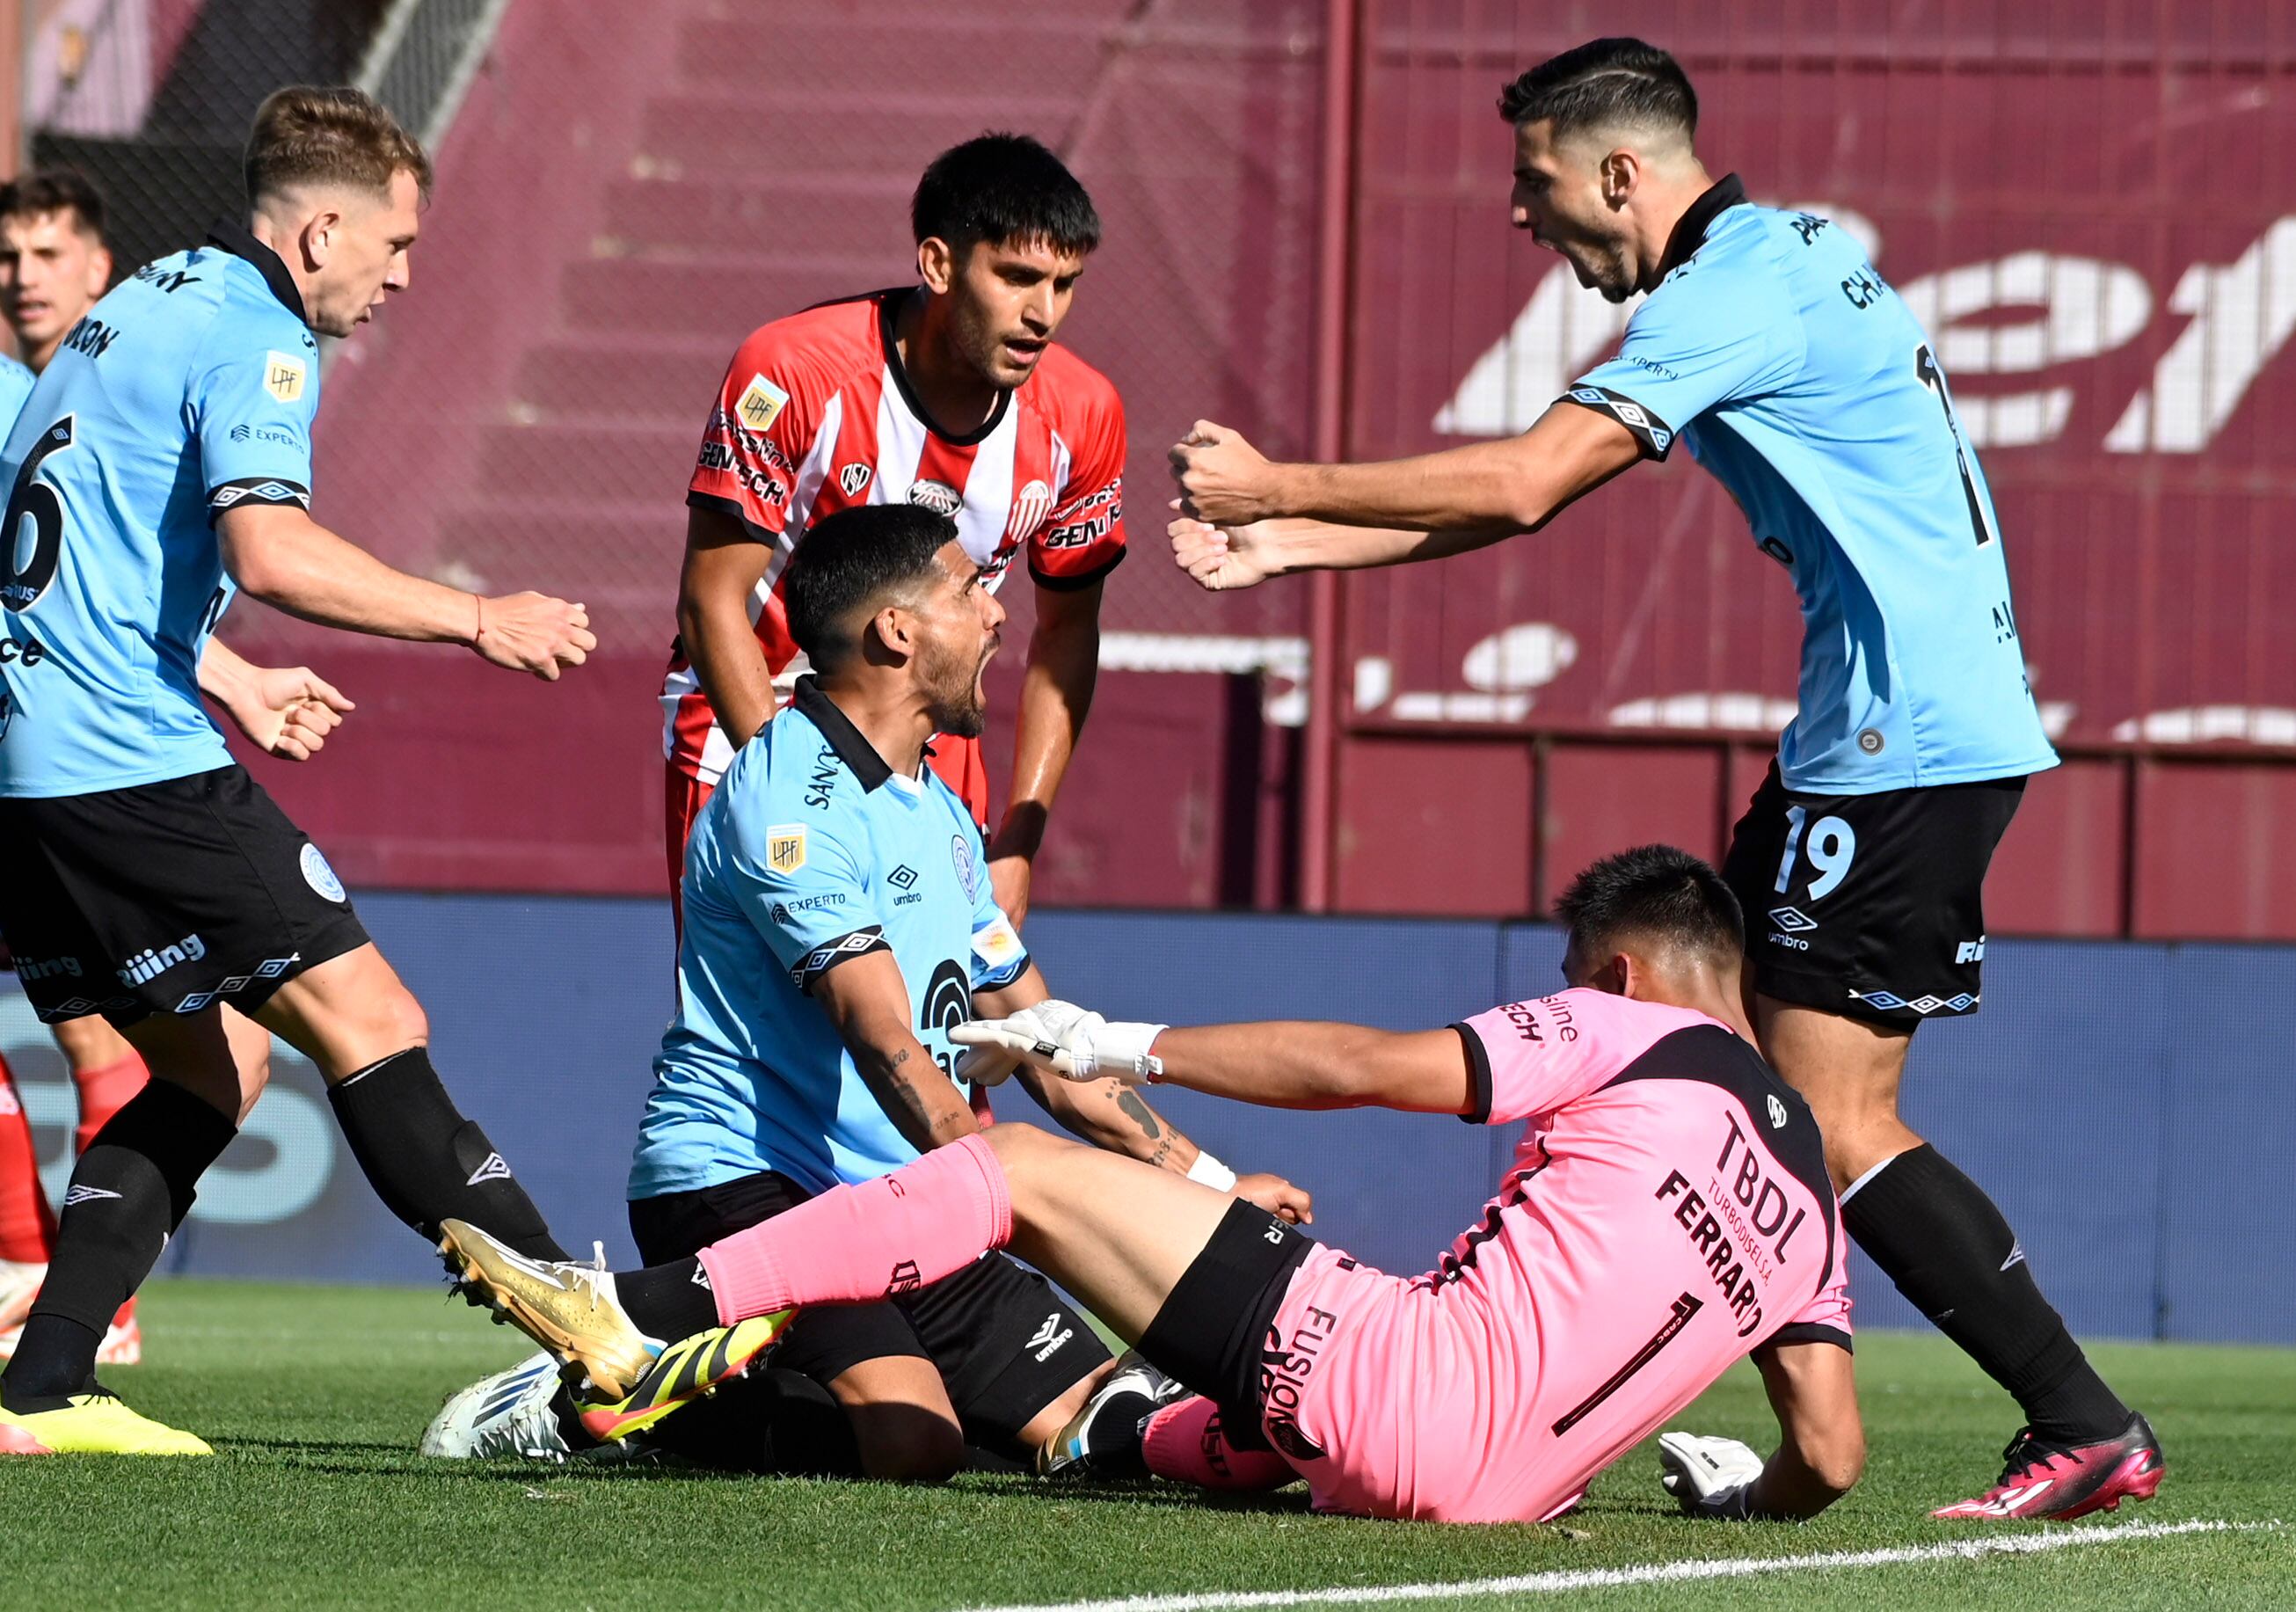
[(1278, 1063), (284, 710), (724, 561), (281, 555), (1473, 495), (1813, 1387), (868, 1002)]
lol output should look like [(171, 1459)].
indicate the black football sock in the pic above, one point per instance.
[(668, 1302), (1936, 1235), (427, 1163), (772, 1422), (129, 1192)]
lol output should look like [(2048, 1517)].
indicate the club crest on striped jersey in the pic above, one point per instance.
[(853, 478), (1030, 506), (938, 497), (761, 404)]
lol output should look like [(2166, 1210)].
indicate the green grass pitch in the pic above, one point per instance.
[(314, 1397)]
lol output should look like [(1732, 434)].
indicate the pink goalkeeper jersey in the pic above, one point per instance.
[(1668, 1211)]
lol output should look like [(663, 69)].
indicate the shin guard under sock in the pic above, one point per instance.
[(427, 1163), (1935, 1233), (129, 1192), (855, 1245), (1186, 1441), (28, 1226)]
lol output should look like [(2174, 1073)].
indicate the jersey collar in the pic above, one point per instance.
[(889, 309), (235, 238), (1690, 230), (855, 752)]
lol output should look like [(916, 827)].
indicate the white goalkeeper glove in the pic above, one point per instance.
[(1708, 1476), (1070, 1041)]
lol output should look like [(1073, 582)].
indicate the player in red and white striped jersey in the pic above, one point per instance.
[(949, 394)]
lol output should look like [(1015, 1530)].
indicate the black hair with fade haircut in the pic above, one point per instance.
[(1658, 891), (848, 562), (1601, 84), (54, 190), (1004, 189)]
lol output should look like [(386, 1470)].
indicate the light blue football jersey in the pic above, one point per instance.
[(1794, 373), (188, 390), (812, 852), (16, 383)]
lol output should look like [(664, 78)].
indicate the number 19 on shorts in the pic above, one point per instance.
[(1831, 845)]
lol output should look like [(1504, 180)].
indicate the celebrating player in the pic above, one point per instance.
[(1772, 348), (1667, 1213), (163, 463), (839, 921), (53, 265), (949, 395)]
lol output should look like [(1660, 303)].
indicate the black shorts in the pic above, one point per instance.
[(1005, 1343), (164, 898), (1217, 1329), (1870, 905)]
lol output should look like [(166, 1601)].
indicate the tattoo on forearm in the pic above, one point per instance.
[(1163, 1151), (1141, 1113)]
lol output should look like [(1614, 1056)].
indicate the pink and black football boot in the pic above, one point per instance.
[(2044, 1482)]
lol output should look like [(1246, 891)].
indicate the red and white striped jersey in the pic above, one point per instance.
[(816, 414)]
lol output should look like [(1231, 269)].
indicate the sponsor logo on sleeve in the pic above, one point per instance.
[(761, 404), (1030, 506), (283, 376), (785, 847), (318, 875)]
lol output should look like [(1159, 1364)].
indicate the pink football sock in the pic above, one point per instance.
[(1185, 1441), (856, 1244)]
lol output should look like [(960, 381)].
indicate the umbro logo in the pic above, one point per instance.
[(1793, 920), (86, 1195), (1049, 1337), (701, 1276), (492, 1170), (902, 878)]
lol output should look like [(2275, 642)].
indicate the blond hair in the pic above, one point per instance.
[(310, 135)]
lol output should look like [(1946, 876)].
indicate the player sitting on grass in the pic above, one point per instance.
[(839, 919), (1667, 1213)]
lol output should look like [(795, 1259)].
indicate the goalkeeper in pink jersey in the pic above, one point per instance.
[(1667, 1214)]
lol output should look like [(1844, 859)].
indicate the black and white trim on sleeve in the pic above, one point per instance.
[(1479, 1071), (1654, 435), (256, 490), (826, 956)]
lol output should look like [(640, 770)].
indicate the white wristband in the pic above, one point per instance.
[(1208, 1170)]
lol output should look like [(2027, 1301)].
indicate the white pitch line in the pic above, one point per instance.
[(1656, 1572)]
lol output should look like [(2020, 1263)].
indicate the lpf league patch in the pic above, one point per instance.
[(318, 876), (998, 945), (283, 376), (967, 866), (761, 404), (785, 847)]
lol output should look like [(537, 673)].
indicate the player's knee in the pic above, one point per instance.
[(920, 1448), (399, 1019), (1019, 1146)]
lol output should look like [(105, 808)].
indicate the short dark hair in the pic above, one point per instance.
[(847, 563), (1657, 891), (306, 135), (1007, 190), (1603, 83), (55, 190)]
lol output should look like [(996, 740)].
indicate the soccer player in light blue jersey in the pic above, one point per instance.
[(162, 464), (839, 923), (1773, 351)]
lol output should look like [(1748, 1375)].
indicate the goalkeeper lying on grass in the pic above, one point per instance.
[(1667, 1212)]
